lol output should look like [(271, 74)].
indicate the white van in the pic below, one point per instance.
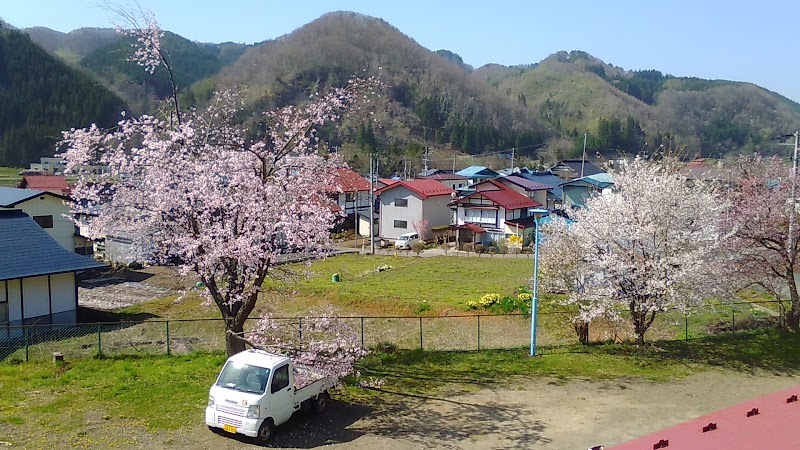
[(405, 240)]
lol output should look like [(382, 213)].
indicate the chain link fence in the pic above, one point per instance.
[(467, 332)]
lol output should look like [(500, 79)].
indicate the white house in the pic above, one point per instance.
[(406, 203), (48, 209), (482, 215), (531, 189), (37, 276)]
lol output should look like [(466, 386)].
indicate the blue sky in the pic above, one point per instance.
[(734, 39)]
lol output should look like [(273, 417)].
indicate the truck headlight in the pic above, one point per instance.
[(211, 400), (252, 412)]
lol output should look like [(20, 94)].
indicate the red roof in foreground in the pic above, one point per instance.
[(477, 229), (774, 427), (45, 183), (348, 180), (424, 188)]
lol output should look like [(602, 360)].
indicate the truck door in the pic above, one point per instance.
[(281, 395)]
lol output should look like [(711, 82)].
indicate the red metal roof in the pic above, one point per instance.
[(773, 427), (348, 180), (45, 183), (424, 188), (505, 197), (474, 228), (525, 183)]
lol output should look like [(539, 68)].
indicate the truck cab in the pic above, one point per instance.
[(256, 391)]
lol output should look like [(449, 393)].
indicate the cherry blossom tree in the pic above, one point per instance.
[(653, 244), (194, 186), (562, 267), (327, 345), (766, 243), (421, 227)]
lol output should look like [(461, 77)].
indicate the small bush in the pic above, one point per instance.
[(468, 247), (386, 347), (445, 248), (488, 300), (472, 305), (492, 251), (479, 248), (417, 247), (502, 249), (422, 307), (135, 265)]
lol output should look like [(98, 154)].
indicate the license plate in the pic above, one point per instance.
[(229, 428)]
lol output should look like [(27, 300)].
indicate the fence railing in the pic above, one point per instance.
[(461, 332)]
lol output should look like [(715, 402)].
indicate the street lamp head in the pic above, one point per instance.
[(538, 212)]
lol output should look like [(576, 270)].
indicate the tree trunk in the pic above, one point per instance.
[(582, 330), (233, 344)]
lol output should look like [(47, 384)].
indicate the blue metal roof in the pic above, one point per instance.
[(601, 180), (545, 178), (26, 250), (11, 196), (481, 171)]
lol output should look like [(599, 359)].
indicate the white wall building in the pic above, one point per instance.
[(406, 203)]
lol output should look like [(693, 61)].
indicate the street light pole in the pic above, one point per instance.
[(790, 246), (538, 213)]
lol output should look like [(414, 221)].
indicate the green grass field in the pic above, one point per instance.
[(161, 392), (9, 176)]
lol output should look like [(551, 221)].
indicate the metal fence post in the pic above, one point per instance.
[(99, 342), (420, 333), (733, 318), (300, 320), (686, 324), (362, 332), (479, 331), (168, 349), (27, 342)]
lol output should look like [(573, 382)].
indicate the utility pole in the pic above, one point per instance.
[(790, 245), (425, 161), (405, 171), (583, 158), (513, 151), (371, 208), (454, 163)]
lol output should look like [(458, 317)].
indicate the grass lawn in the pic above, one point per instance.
[(161, 392), (9, 176)]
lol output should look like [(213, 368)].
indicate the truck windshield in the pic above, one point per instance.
[(243, 377)]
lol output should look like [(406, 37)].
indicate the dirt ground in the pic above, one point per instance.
[(541, 414)]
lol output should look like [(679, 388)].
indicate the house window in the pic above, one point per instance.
[(349, 197), (401, 224), (401, 202), (44, 221), (481, 215)]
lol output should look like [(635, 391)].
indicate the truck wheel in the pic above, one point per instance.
[(266, 431), (321, 402)]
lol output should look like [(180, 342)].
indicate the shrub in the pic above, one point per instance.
[(422, 307), (479, 248), (525, 297), (472, 304), (489, 299), (386, 347), (445, 248), (492, 251), (502, 248), (417, 247), (468, 247), (135, 265), (506, 305)]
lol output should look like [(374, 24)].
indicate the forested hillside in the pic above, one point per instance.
[(191, 61), (628, 111), (74, 45), (40, 96)]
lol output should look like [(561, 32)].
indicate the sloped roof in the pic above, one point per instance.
[(348, 180), (600, 180), (26, 250), (45, 183), (528, 185), (10, 197), (429, 172), (505, 197), (575, 166), (482, 171), (473, 227), (425, 187), (445, 176)]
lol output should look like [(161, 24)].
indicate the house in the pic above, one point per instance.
[(352, 197), (476, 174), (578, 190), (47, 209), (482, 215), (555, 197), (428, 173), (406, 203), (451, 180), (531, 189), (49, 165), (570, 169), (37, 276), (56, 184)]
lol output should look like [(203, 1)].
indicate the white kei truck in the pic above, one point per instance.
[(256, 391)]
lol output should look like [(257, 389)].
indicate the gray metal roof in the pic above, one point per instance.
[(11, 196), (26, 250)]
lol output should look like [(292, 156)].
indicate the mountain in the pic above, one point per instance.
[(431, 100), (191, 61), (74, 45), (40, 95), (627, 111)]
